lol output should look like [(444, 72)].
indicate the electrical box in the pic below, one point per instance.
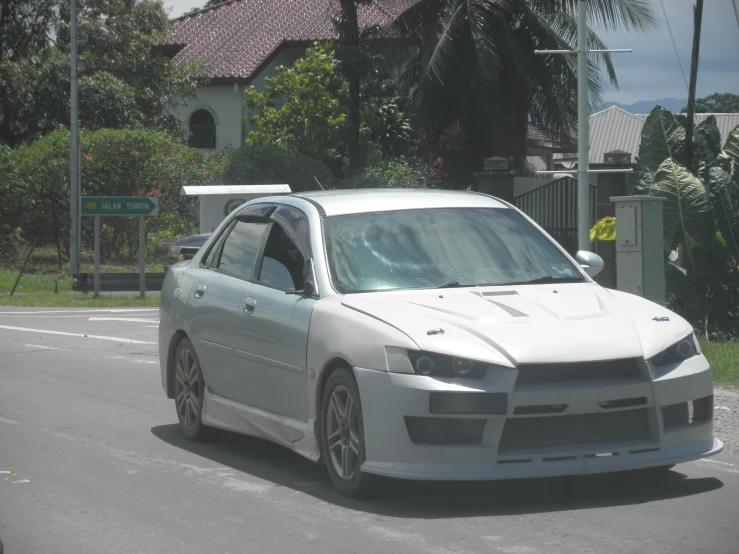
[(640, 260)]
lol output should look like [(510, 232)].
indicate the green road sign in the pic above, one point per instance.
[(120, 205)]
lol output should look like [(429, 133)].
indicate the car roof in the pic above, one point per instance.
[(343, 202)]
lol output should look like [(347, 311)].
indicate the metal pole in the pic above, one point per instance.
[(583, 183), (74, 158), (142, 258), (96, 293)]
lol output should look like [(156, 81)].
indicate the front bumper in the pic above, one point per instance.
[(390, 399)]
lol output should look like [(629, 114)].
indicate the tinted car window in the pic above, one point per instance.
[(283, 264), (241, 248)]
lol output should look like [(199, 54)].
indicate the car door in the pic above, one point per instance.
[(218, 293), (273, 326)]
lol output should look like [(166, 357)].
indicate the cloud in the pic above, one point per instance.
[(652, 70)]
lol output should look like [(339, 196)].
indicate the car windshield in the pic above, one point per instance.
[(447, 247)]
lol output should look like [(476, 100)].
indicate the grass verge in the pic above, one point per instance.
[(724, 360), (76, 300)]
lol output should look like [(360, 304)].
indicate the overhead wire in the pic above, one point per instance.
[(674, 45)]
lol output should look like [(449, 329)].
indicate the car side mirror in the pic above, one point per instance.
[(590, 262)]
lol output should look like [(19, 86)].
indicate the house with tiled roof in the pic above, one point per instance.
[(242, 42)]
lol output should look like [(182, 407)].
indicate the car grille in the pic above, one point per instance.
[(574, 430), (693, 412), (544, 374), (441, 431), (468, 403)]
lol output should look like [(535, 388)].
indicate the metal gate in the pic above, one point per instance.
[(554, 207)]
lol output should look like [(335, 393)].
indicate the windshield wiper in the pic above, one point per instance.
[(546, 279), (449, 285)]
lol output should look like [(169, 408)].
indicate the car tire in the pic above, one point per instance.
[(189, 389), (342, 434)]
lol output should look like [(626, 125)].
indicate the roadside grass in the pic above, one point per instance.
[(42, 273), (724, 360), (77, 300)]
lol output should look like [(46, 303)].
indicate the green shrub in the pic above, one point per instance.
[(269, 164), (398, 173), (113, 163)]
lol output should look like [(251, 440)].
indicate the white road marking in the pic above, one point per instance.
[(717, 462), (721, 466), (22, 481), (80, 311), (44, 347), (8, 422), (6, 472), (131, 319), (99, 337), (133, 360)]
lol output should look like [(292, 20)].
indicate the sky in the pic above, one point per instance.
[(652, 71)]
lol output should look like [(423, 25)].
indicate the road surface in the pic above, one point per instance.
[(91, 461)]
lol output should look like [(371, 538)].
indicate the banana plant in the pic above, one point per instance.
[(701, 211), (702, 200)]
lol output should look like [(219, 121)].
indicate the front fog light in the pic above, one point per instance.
[(425, 365), (462, 366)]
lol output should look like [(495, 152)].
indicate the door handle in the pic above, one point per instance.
[(250, 304), (200, 290)]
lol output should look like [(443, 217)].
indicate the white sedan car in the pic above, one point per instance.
[(426, 335)]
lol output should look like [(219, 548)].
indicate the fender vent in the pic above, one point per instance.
[(444, 431), (692, 412)]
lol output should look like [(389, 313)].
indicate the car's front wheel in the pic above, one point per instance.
[(189, 389), (342, 434)]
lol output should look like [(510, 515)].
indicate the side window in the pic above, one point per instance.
[(240, 249), (283, 264)]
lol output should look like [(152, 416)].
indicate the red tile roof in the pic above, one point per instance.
[(235, 38)]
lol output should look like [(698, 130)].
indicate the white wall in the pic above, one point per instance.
[(226, 102)]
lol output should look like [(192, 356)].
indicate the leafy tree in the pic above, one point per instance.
[(122, 84), (701, 211), (114, 162), (304, 110), (471, 63), (717, 103)]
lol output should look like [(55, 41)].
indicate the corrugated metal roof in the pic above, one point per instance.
[(616, 129)]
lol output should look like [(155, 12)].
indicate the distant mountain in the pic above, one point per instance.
[(646, 106)]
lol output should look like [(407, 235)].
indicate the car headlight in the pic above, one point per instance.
[(678, 352), (440, 365)]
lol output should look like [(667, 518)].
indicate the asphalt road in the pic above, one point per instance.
[(91, 461)]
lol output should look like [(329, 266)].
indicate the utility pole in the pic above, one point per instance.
[(583, 130), (583, 133), (74, 155), (698, 15)]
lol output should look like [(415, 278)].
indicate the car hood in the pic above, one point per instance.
[(527, 324)]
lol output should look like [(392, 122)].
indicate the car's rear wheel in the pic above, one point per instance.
[(342, 434), (189, 388)]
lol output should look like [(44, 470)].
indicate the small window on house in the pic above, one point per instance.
[(202, 129)]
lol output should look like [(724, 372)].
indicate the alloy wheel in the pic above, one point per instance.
[(188, 389), (343, 433)]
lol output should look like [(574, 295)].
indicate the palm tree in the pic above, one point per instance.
[(349, 55), (471, 64)]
